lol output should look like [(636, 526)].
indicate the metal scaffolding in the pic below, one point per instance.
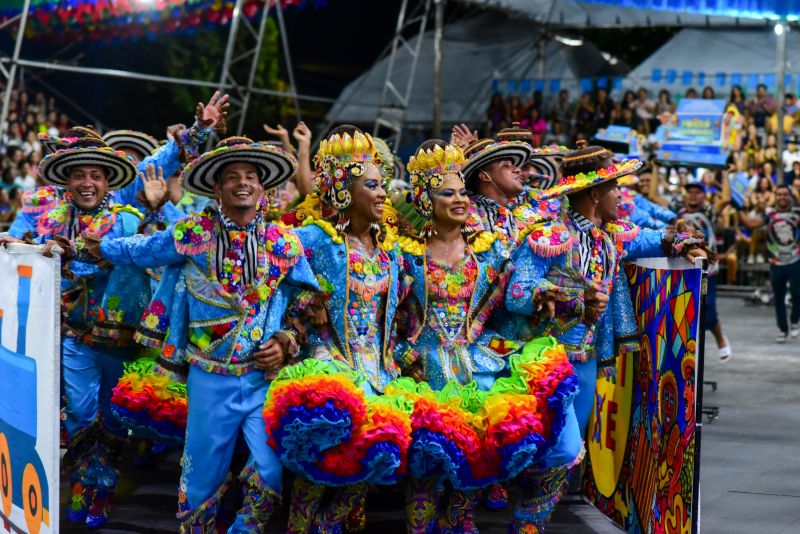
[(397, 86), (230, 77)]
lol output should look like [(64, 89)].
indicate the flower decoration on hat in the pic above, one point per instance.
[(588, 167), (340, 158), (428, 170)]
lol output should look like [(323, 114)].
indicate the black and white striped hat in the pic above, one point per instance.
[(132, 140), (274, 164), (120, 169)]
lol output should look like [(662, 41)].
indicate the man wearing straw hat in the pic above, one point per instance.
[(218, 317), (98, 304), (565, 280)]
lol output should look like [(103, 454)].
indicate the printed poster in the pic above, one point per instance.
[(29, 390), (641, 437)]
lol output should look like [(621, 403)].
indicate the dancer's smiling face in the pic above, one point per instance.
[(88, 185), (450, 201), (239, 187), (368, 194)]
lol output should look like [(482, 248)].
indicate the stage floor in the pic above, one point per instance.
[(750, 470)]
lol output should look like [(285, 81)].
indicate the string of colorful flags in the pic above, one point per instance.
[(109, 20)]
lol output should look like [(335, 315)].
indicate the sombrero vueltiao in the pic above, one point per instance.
[(52, 143), (588, 167), (485, 151), (121, 170), (274, 164), (132, 140)]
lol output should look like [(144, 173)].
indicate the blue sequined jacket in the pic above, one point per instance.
[(100, 306), (326, 251), (461, 352), (552, 260), (192, 318)]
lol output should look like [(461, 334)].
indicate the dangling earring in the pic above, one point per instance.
[(376, 227), (428, 230), (466, 230), (342, 222)]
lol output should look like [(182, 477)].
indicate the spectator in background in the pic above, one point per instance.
[(664, 104), (496, 112), (584, 115), (537, 126), (7, 211), (514, 110), (792, 174), (628, 100), (602, 109), (691, 93), (25, 181), (645, 110), (761, 106), (737, 99), (790, 104), (770, 153), (782, 225), (796, 189), (708, 93), (562, 110), (791, 155)]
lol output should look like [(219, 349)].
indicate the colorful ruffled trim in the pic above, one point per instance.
[(546, 369), (474, 438), (622, 231), (150, 404), (323, 427), (550, 239), (193, 234), (39, 200)]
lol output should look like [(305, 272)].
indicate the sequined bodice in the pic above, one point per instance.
[(368, 283), (450, 288)]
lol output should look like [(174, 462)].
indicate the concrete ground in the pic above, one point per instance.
[(750, 469)]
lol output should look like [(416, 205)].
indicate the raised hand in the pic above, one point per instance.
[(302, 135), (462, 136), (214, 113), (155, 187)]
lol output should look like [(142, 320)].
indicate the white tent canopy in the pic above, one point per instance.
[(574, 14), (712, 51), (475, 51)]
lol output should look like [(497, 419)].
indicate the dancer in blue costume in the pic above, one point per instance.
[(458, 284), (100, 306), (359, 268), (40, 200), (221, 310), (565, 276)]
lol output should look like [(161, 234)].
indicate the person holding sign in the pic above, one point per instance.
[(566, 271), (98, 303)]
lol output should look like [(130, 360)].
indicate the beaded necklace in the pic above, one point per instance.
[(450, 288), (368, 278)]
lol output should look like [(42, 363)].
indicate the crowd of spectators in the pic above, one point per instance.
[(30, 113), (754, 157)]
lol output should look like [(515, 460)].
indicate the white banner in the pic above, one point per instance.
[(29, 390)]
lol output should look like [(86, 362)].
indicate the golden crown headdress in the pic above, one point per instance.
[(340, 157), (428, 169)]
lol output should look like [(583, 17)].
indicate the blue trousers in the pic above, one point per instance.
[(584, 402), (219, 406), (88, 376)]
